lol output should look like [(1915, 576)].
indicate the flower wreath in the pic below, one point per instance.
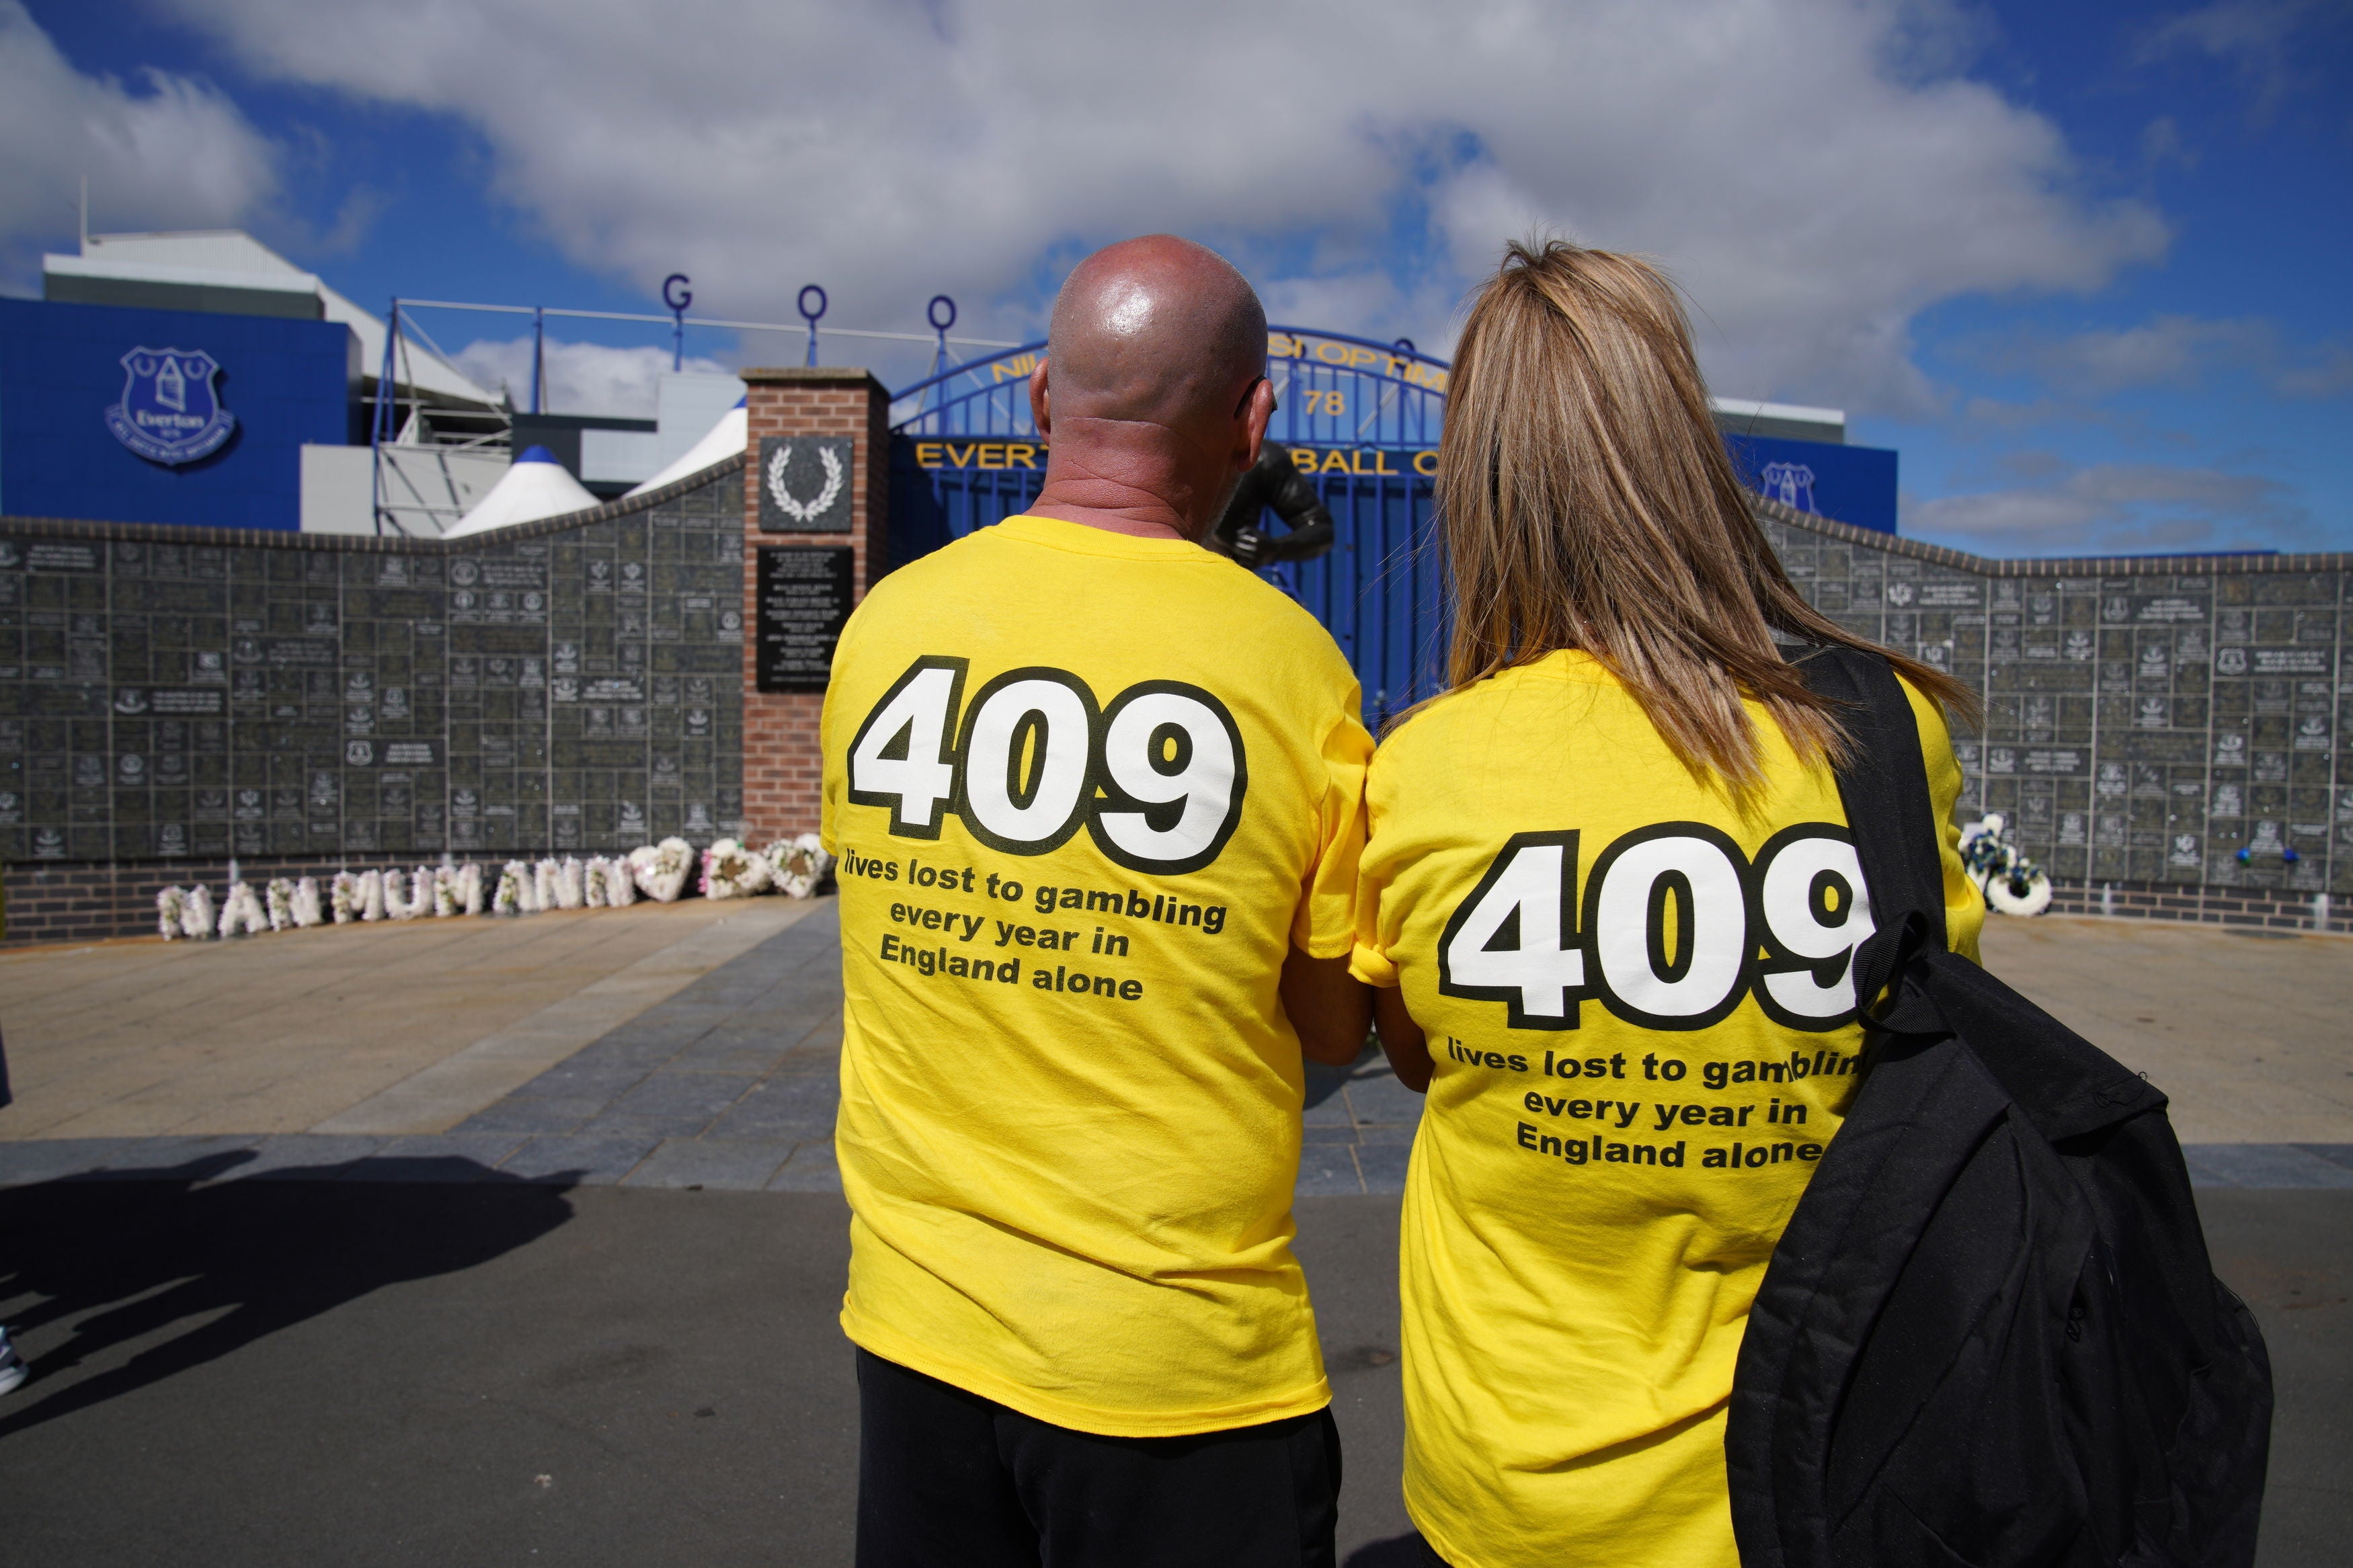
[(803, 511)]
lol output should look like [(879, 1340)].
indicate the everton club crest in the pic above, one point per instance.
[(1791, 484), (170, 412)]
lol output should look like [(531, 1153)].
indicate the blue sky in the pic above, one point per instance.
[(2084, 266)]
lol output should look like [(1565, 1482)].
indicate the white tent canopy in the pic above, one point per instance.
[(723, 440), (535, 487)]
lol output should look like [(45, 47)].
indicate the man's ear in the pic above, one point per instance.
[(1256, 410), (1041, 413)]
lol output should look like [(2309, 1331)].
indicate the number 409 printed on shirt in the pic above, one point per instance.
[(1674, 926), (1157, 776)]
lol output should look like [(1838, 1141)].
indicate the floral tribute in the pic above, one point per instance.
[(2012, 884), (661, 869), (514, 887), (596, 882), (240, 913), (798, 866), (398, 903), (663, 872), (731, 872)]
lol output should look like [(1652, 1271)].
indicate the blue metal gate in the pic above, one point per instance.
[(1361, 418)]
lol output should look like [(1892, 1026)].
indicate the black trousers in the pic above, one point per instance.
[(948, 1479)]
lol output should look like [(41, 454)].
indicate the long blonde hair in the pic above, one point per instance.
[(1586, 501)]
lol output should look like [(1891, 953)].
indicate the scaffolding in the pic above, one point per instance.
[(424, 448)]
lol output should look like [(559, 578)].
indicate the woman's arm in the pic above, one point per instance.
[(1402, 1041), (1328, 1007), (1965, 905)]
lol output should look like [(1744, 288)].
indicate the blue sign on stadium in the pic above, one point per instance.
[(104, 415), (1846, 484)]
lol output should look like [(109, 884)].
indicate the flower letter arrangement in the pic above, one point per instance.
[(663, 872)]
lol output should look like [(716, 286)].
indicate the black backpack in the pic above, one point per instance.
[(1991, 1334)]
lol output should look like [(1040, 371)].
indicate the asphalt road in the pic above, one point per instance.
[(265, 1373)]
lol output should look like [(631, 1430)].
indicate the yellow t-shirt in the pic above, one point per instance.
[(1086, 790), (1640, 1012)]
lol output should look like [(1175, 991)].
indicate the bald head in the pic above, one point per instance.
[(1158, 330)]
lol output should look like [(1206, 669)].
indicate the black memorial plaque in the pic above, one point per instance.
[(803, 601)]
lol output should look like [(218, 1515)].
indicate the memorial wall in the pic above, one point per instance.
[(2168, 736), (172, 698)]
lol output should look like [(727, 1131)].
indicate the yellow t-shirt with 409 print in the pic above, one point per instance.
[(1640, 1006), (1087, 791)]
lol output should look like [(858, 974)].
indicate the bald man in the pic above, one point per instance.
[(1097, 797)]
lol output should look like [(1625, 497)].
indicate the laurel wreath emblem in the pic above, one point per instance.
[(804, 511)]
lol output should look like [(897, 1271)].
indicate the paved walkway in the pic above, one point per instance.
[(697, 1045), (405, 1026), (470, 1305), (616, 1081), (279, 1375), (2245, 1031)]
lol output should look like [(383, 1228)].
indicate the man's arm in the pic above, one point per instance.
[(1331, 1009), (1402, 1040)]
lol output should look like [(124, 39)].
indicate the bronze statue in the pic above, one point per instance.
[(1273, 481)]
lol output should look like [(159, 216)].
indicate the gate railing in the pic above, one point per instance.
[(1360, 418)]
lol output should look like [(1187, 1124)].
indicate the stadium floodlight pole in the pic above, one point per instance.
[(378, 428), (678, 304), (802, 305), (538, 355)]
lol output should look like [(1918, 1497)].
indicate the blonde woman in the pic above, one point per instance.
[(1610, 903)]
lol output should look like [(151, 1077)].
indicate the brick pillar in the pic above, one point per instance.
[(781, 758)]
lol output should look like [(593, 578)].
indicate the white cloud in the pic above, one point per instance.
[(2255, 37), (2175, 351), (2325, 372), (1814, 171), (2115, 508), (1993, 414), (2169, 351), (169, 151), (582, 378)]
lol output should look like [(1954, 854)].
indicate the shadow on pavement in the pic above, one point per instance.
[(231, 1262), (1397, 1551)]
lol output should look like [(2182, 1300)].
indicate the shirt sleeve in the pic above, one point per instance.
[(1368, 958), (1965, 907), (1368, 961), (834, 766), (1324, 925), (834, 730)]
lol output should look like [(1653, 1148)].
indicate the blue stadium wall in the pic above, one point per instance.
[(288, 382), (1855, 485)]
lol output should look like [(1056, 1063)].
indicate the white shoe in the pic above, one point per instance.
[(13, 1370)]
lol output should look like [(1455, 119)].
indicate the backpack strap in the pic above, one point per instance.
[(1884, 787), (1923, 1107)]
